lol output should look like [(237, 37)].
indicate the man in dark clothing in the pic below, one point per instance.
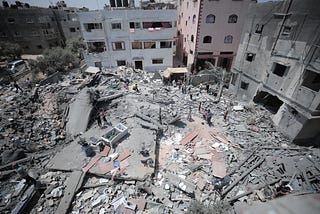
[(208, 117), (17, 87), (207, 87)]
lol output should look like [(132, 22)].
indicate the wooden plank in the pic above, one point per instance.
[(105, 151), (73, 183), (107, 167), (92, 162), (124, 155), (189, 137)]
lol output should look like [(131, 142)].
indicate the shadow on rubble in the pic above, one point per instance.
[(179, 124)]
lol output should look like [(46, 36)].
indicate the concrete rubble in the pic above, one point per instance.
[(163, 161)]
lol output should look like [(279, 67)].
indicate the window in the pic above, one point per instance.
[(72, 29), (3, 34), (116, 26), (194, 19), (157, 61), (186, 23), (234, 78), (311, 80), (280, 69), (136, 45), (157, 25), (166, 44), (39, 46), (286, 31), (92, 26), (149, 45), (29, 20), (210, 18), (250, 57), (187, 4), (192, 38), (233, 18), (191, 51), (244, 85), (205, 53), (121, 62), (207, 39), (259, 28), (35, 33), (17, 34), (118, 46), (96, 47), (228, 39), (135, 25), (11, 20)]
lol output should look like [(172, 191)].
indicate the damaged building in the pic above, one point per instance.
[(278, 65), (140, 38)]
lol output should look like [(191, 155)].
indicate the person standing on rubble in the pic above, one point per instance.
[(135, 87), (189, 114), (207, 88), (17, 87), (99, 121), (103, 115), (208, 117)]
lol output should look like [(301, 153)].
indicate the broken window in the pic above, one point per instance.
[(3, 34), (116, 26), (250, 57), (233, 18), (228, 39), (234, 78), (136, 45), (210, 18), (259, 29), (311, 80), (11, 20), (118, 46), (72, 29), (280, 69), (35, 33), (121, 62), (149, 45), (157, 25), (207, 39), (270, 102), (244, 85), (286, 31), (92, 26), (166, 44), (192, 38), (135, 25), (29, 20), (157, 61), (96, 47)]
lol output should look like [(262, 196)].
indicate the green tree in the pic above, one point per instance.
[(76, 46), (55, 59), (9, 51)]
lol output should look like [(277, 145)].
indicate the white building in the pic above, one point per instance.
[(143, 39)]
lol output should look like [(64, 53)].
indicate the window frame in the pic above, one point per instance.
[(116, 26), (210, 16), (157, 61), (114, 46)]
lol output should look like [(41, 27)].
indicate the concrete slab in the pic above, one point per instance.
[(79, 113)]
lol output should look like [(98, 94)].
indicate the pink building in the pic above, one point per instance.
[(210, 30)]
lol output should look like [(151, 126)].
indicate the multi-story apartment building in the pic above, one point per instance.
[(140, 38), (36, 29), (278, 65), (210, 30)]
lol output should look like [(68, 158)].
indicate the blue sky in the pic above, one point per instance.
[(91, 4)]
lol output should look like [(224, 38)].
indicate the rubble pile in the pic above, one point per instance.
[(149, 147)]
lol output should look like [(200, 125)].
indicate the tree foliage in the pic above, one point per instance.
[(75, 45), (55, 59), (9, 51)]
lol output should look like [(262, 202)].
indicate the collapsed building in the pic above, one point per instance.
[(277, 65)]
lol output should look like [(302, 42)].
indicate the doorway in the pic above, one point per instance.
[(138, 65)]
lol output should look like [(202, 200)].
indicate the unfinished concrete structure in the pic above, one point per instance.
[(36, 29), (140, 38), (210, 30), (278, 65)]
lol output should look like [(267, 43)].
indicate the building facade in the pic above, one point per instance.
[(210, 30), (36, 29), (143, 39), (278, 65)]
